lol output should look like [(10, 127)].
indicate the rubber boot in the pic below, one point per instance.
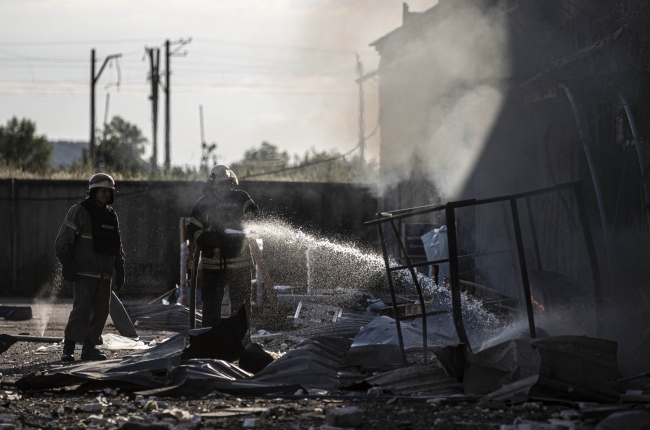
[(90, 352), (68, 350)]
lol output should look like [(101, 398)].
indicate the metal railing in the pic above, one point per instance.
[(450, 212)]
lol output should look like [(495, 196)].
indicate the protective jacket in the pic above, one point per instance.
[(214, 214), (92, 258)]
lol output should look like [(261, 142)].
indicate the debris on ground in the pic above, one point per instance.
[(16, 313), (574, 368), (296, 379), (159, 317), (377, 345)]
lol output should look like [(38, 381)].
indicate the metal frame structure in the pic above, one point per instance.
[(450, 211)]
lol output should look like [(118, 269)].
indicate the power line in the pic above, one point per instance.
[(362, 120), (285, 47), (151, 39), (74, 42), (311, 163)]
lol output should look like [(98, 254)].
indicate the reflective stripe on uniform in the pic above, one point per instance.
[(91, 274), (71, 225), (196, 222), (86, 236), (197, 234), (229, 265)]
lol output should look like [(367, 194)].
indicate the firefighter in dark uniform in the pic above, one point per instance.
[(90, 250), (216, 229)]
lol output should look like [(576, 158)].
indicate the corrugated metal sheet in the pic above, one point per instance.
[(427, 378), (174, 318)]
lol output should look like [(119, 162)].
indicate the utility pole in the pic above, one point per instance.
[(93, 81), (167, 88), (362, 121), (103, 148), (154, 77), (206, 149), (167, 114)]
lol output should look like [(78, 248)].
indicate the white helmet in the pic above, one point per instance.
[(221, 172), (101, 180)]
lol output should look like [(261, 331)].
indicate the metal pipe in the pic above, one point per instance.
[(638, 143), (523, 267), (417, 287), (37, 339), (400, 339), (452, 253), (594, 177), (472, 202), (632, 378), (593, 259), (533, 230), (538, 253)]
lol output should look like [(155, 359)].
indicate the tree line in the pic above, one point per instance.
[(121, 146)]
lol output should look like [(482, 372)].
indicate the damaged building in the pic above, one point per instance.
[(480, 99)]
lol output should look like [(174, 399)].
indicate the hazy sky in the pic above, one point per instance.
[(275, 70)]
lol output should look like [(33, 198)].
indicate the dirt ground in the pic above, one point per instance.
[(64, 408)]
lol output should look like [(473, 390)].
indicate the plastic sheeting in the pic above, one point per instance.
[(437, 248), (117, 342), (377, 345), (312, 364), (152, 368)]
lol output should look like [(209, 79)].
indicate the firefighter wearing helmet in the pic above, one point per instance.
[(89, 248), (216, 229)]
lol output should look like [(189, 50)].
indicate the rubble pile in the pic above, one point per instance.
[(323, 382)]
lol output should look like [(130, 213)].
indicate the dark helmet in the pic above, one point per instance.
[(102, 180)]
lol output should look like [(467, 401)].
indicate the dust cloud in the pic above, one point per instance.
[(452, 77)]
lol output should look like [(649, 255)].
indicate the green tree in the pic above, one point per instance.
[(123, 149), (257, 160), (21, 148), (268, 163)]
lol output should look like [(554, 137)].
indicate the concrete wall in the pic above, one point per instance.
[(32, 211)]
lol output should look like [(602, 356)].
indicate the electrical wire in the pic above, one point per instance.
[(75, 42), (311, 163)]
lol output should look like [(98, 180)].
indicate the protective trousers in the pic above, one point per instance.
[(92, 298), (212, 289)]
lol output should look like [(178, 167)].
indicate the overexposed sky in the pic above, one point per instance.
[(276, 70)]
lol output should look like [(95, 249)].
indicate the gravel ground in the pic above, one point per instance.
[(65, 408)]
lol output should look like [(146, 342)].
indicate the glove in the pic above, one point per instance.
[(69, 272), (120, 277)]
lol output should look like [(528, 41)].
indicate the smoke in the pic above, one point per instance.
[(449, 75), (44, 300)]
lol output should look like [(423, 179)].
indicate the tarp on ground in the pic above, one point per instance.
[(152, 368), (312, 364), (377, 344)]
